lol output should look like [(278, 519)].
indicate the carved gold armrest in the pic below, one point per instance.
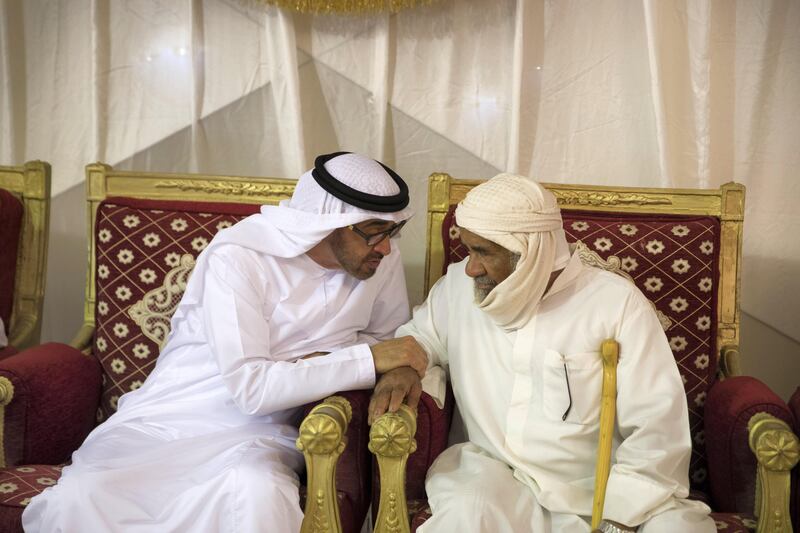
[(322, 440), (777, 450), (391, 439), (6, 395)]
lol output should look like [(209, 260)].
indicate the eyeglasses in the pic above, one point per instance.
[(375, 239)]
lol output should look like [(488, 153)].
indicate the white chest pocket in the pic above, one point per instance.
[(571, 386)]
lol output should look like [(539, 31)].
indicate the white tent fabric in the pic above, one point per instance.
[(651, 93)]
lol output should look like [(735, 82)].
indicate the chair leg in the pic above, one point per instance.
[(391, 439), (322, 440), (777, 450)]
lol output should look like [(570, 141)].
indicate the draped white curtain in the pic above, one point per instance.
[(672, 93)]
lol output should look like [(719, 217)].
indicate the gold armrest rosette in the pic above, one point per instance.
[(777, 450), (391, 439), (322, 440)]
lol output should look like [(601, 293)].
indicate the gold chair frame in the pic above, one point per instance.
[(322, 433), (31, 184), (775, 446)]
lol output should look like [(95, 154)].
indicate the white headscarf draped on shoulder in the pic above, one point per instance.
[(294, 226), (522, 216)]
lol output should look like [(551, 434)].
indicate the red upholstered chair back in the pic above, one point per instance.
[(10, 225), (147, 231), (668, 243), (145, 252), (24, 226)]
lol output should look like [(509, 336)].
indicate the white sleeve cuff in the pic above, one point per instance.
[(632, 499), (362, 355), (435, 384)]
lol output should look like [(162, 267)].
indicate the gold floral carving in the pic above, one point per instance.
[(390, 437), (778, 450), (607, 199), (153, 312), (320, 519), (320, 434), (233, 188), (613, 264), (391, 522)]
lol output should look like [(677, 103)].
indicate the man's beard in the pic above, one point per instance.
[(482, 292), (353, 264), (488, 284)]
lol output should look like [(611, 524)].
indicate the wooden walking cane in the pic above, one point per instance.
[(608, 408)]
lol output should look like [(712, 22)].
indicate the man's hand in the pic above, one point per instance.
[(395, 353), (392, 388)]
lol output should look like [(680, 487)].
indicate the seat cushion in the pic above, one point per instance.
[(145, 252), (674, 261), (11, 213)]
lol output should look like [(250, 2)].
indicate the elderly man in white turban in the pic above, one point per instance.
[(284, 308), (518, 326)]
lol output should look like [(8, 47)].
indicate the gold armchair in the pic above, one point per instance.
[(743, 443), (30, 184)]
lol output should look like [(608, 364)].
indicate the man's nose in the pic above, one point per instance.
[(474, 268), (384, 247)]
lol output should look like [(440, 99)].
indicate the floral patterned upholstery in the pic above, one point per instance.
[(672, 260), (18, 485), (145, 252)]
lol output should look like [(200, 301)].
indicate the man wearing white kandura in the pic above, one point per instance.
[(284, 308), (518, 327)]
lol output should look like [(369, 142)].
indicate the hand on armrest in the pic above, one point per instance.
[(398, 386)]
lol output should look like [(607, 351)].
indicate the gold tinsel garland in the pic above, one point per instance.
[(346, 7)]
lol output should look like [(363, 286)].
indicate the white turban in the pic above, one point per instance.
[(522, 216), (296, 225)]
